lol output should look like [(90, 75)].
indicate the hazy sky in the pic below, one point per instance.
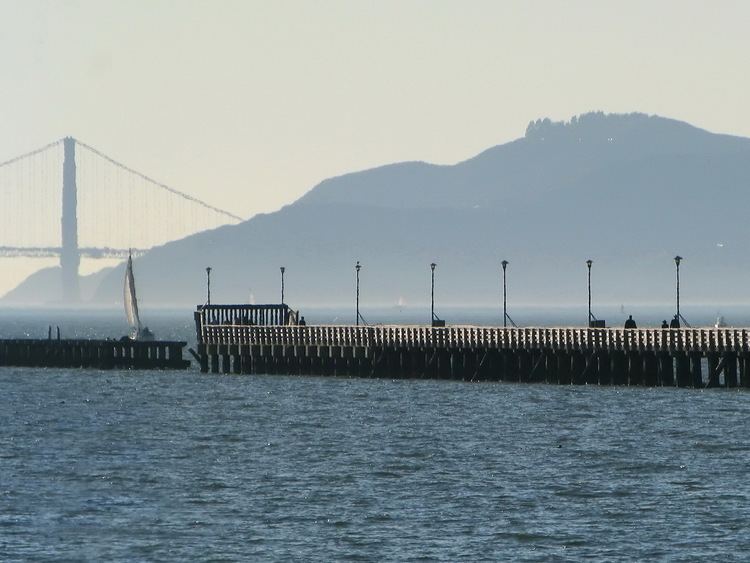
[(248, 104)]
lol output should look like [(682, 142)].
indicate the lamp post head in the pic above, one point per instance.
[(504, 264), (358, 267), (432, 266), (677, 260), (208, 270), (283, 269), (589, 262)]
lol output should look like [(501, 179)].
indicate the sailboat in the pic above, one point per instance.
[(137, 332)]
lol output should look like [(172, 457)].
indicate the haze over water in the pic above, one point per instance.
[(183, 466)]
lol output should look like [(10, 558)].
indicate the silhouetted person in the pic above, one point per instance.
[(675, 323), (302, 322), (630, 323), (664, 324)]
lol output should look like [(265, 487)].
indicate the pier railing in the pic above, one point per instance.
[(688, 340), (263, 315)]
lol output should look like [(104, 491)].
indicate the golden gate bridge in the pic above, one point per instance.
[(70, 200)]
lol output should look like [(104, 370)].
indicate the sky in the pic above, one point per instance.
[(249, 104)]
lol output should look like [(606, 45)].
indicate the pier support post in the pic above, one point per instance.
[(563, 367), (713, 369), (591, 376), (745, 370), (578, 363), (430, 363), (492, 365), (510, 365), (524, 365), (635, 368), (203, 358), (444, 364), (666, 370), (696, 370), (538, 366), (603, 368), (650, 369), (730, 369), (682, 364), (619, 364)]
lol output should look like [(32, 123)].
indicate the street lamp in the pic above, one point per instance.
[(677, 260), (208, 285), (432, 302), (358, 267), (588, 263), (283, 269), (504, 264)]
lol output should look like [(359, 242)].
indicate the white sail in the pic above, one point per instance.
[(131, 303)]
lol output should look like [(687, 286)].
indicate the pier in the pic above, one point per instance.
[(101, 354), (684, 357)]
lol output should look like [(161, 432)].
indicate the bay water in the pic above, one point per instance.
[(165, 466)]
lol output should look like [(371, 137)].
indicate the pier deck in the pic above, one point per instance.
[(604, 356)]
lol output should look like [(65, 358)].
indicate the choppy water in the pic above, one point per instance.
[(154, 466)]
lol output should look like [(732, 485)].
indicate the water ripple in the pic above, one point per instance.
[(152, 466)]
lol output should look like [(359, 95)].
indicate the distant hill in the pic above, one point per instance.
[(628, 191), (44, 286)]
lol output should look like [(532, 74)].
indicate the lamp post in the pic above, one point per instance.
[(677, 260), (588, 263), (432, 293), (282, 269), (208, 285), (504, 264), (358, 267)]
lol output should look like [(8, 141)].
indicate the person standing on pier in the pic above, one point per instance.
[(630, 323)]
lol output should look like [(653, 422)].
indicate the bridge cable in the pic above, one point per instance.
[(32, 153), (159, 184)]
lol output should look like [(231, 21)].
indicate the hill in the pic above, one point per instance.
[(628, 191), (45, 287)]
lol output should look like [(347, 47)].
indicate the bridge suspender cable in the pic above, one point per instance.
[(22, 174), (158, 184)]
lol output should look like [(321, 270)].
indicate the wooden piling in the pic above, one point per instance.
[(713, 369), (730, 369)]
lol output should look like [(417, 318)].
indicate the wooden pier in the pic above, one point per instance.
[(594, 356), (101, 354)]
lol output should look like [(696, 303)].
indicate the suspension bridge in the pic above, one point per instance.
[(69, 200)]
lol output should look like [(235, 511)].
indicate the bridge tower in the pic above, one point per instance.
[(70, 257)]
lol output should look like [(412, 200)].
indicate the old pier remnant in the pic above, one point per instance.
[(101, 354)]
